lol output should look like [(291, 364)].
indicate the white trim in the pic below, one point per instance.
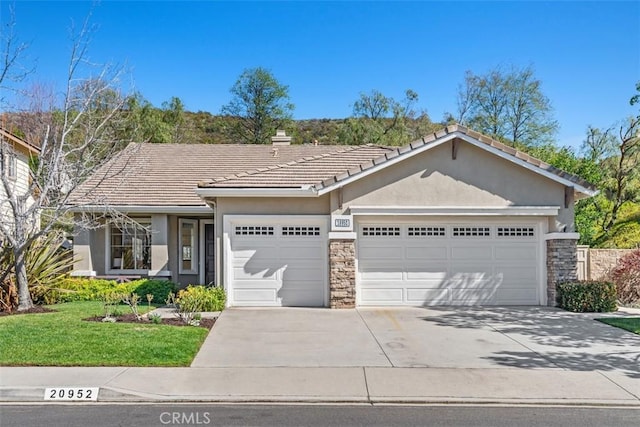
[(407, 153), (456, 210), (142, 209), (159, 273), (560, 236), (194, 255), (202, 260), (342, 235), (303, 191), (83, 273)]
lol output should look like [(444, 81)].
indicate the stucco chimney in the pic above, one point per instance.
[(281, 138)]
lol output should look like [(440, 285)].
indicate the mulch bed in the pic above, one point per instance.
[(173, 321)]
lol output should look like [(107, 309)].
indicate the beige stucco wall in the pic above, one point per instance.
[(602, 261), (474, 178)]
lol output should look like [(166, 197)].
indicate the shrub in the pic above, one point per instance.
[(202, 298), (586, 296), (160, 289), (626, 276), (86, 289)]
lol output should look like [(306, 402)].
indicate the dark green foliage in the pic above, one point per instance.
[(587, 296), (626, 276), (160, 289)]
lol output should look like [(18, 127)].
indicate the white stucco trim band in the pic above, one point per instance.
[(83, 273), (560, 236), (456, 211), (342, 235)]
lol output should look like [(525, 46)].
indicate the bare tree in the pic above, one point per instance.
[(507, 105), (76, 139)]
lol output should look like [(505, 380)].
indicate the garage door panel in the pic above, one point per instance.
[(433, 253), (474, 252), (266, 272), (515, 252), (515, 296), (380, 252), (256, 296), (518, 273), (424, 273), (377, 276), (300, 297), (307, 252), (311, 273), (473, 296), (428, 296), (383, 296)]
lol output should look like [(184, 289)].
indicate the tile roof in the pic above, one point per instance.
[(333, 168), (168, 174)]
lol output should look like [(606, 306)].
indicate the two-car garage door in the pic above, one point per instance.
[(455, 263)]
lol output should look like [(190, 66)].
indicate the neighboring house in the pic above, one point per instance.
[(15, 154), (455, 218)]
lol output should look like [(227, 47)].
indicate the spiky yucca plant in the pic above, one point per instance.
[(47, 262)]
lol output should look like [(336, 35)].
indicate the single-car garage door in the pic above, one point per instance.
[(469, 263), (277, 261)]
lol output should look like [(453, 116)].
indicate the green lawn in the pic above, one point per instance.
[(631, 324), (64, 339)]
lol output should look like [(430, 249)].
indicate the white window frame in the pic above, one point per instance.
[(10, 166), (195, 260), (143, 221)]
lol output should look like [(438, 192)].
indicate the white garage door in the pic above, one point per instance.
[(277, 262), (475, 263)]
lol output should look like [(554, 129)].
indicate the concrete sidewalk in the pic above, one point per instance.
[(330, 385)]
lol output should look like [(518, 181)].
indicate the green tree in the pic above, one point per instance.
[(260, 104), (508, 106), (379, 119)]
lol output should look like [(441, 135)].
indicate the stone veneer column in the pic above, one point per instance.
[(562, 262), (342, 273)]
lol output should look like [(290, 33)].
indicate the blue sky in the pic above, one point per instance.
[(587, 54)]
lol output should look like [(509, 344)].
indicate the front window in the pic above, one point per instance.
[(10, 163), (131, 245), (188, 246)]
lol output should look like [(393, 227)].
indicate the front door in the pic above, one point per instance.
[(209, 255)]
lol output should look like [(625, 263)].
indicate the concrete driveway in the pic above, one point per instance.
[(496, 337)]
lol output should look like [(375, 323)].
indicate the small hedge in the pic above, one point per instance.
[(160, 289), (587, 296), (202, 298), (87, 289)]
